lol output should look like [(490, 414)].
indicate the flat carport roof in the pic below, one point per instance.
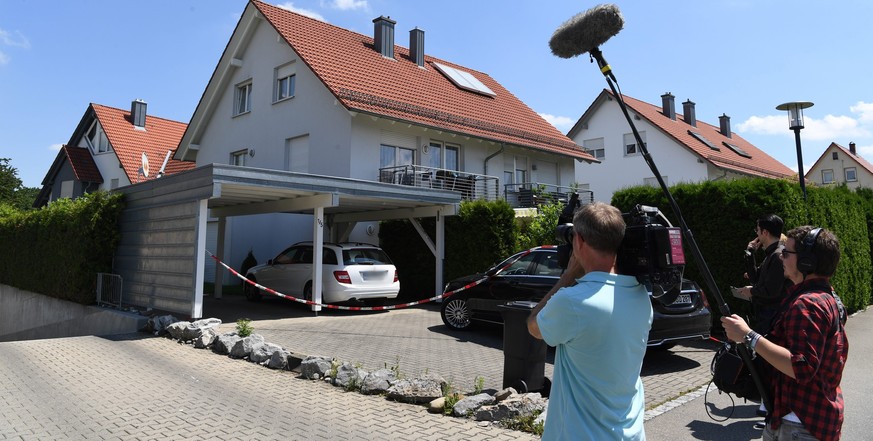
[(184, 201)]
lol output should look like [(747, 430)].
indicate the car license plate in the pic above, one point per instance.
[(373, 275), (682, 299)]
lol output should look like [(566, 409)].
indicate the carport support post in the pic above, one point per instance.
[(219, 253), (440, 251), (317, 255)]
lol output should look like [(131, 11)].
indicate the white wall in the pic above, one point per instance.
[(618, 171)]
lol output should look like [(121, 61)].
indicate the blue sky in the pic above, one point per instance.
[(737, 57)]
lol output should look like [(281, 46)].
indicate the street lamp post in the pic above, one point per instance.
[(795, 122)]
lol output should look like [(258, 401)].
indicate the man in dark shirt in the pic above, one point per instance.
[(768, 281), (807, 347)]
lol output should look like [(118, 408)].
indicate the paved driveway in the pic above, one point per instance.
[(141, 387)]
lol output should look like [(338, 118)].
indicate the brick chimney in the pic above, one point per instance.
[(852, 148), (138, 113), (724, 124), (383, 36), (668, 104), (416, 46), (688, 113)]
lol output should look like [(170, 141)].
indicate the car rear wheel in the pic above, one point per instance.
[(253, 294), (455, 313), (307, 291)]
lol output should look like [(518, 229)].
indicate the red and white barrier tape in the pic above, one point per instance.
[(357, 308)]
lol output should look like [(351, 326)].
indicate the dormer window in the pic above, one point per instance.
[(243, 98), (97, 140)]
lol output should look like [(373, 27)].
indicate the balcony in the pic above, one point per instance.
[(472, 186), (534, 194)]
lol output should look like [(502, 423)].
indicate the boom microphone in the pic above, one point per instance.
[(586, 31)]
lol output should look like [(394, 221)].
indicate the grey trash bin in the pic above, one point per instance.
[(524, 357)]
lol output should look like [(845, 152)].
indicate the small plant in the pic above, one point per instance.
[(525, 424), (479, 385), (244, 327), (396, 368), (451, 398)]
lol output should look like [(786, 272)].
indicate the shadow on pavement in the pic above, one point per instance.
[(232, 308)]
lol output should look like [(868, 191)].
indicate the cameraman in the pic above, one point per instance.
[(599, 322), (807, 347)]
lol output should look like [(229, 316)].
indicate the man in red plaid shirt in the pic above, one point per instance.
[(807, 347)]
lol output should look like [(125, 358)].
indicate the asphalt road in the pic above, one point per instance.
[(691, 421)]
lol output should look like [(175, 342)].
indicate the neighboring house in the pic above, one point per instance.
[(683, 148), (106, 151), (295, 94), (838, 165)]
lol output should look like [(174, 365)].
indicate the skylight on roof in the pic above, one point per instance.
[(737, 149), (703, 139), (464, 80)]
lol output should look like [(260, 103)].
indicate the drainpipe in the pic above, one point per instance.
[(487, 158)]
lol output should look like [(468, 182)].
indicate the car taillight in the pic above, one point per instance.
[(395, 275), (342, 276), (703, 296)]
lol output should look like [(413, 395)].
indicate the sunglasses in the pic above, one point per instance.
[(785, 252)]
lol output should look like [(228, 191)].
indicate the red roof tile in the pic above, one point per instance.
[(128, 142), (83, 164), (365, 81), (758, 164)]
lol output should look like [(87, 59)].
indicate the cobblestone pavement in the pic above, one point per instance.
[(141, 387)]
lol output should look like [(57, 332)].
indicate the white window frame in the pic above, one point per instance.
[(239, 157), (96, 139), (284, 83), (824, 176), (242, 98), (630, 143), (596, 147), (854, 173), (440, 149)]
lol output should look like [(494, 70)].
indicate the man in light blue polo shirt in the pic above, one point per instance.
[(599, 322)]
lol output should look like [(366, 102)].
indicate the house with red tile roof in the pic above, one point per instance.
[(296, 94), (683, 148), (839, 165), (111, 148)]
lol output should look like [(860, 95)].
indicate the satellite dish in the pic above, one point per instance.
[(145, 165)]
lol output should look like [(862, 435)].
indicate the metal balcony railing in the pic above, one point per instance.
[(534, 194), (472, 186)]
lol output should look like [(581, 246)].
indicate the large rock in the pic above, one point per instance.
[(315, 367), (243, 347), (261, 353), (279, 360), (418, 390), (224, 342), (349, 377), (467, 405), (158, 325), (378, 382), (514, 406), (187, 331), (206, 338)]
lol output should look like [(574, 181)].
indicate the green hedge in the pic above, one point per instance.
[(722, 214), (483, 233), (59, 249)]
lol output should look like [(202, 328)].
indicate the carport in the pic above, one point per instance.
[(162, 253)]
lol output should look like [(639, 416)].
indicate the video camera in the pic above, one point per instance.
[(650, 251)]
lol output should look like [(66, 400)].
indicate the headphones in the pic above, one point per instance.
[(806, 260)]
